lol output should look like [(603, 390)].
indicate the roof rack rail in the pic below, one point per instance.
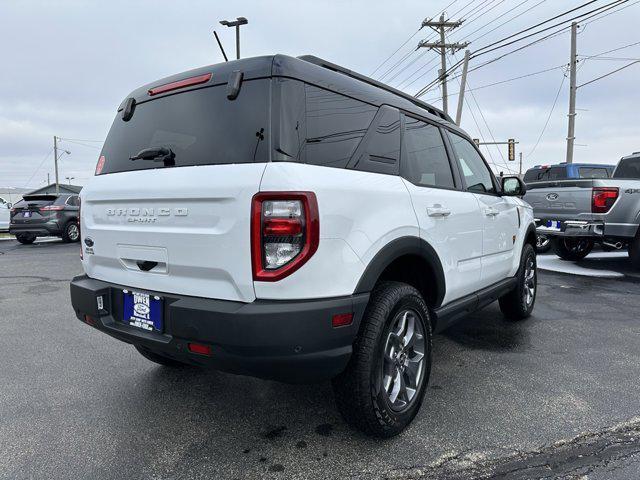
[(363, 78)]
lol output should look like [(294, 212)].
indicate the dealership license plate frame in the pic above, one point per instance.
[(143, 311)]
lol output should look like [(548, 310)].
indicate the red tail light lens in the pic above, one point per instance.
[(100, 164), (80, 228), (285, 232), (603, 198), (51, 208)]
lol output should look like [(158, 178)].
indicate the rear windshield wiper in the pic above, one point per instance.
[(156, 154)]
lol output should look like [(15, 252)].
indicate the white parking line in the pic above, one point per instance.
[(555, 264)]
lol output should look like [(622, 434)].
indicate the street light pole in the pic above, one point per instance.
[(238, 21)]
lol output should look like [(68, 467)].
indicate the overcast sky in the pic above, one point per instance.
[(68, 64)]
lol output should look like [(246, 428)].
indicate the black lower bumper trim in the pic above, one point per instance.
[(291, 341)]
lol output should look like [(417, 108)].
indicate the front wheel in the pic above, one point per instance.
[(383, 386), (518, 303), (572, 248)]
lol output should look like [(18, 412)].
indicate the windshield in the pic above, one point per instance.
[(628, 168), (200, 127)]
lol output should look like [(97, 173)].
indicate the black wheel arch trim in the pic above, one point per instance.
[(398, 248)]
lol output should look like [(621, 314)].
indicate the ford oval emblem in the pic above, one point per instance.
[(88, 242), (552, 196)]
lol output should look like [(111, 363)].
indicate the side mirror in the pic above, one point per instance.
[(513, 187)]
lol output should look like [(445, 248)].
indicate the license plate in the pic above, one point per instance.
[(27, 214), (142, 311), (553, 224)]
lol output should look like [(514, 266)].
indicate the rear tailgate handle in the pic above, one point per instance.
[(146, 265)]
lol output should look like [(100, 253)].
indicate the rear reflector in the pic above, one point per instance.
[(89, 320), (342, 320), (187, 82), (199, 348)]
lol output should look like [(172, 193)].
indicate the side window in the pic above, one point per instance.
[(73, 201), (335, 125), (379, 151), (424, 160), (476, 173)]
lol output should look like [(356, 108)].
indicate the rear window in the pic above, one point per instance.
[(628, 168), (594, 172), (543, 174), (201, 127), (36, 201)]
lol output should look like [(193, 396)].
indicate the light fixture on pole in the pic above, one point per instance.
[(238, 21)]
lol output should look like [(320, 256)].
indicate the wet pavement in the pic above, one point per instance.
[(556, 396)]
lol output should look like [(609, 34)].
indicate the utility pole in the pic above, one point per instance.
[(571, 133), (55, 160), (463, 85), (442, 26), (520, 169)]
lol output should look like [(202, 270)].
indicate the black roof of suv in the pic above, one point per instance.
[(306, 68)]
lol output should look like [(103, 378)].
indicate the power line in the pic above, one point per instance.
[(610, 51), (80, 143), (546, 123), (81, 140), (396, 51), (608, 74), (503, 81), (39, 167)]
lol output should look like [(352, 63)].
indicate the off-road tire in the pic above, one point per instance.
[(634, 252), (360, 396), (158, 358), (71, 232), (515, 305), (572, 248), (26, 239)]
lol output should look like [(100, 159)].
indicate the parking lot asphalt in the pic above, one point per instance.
[(556, 396)]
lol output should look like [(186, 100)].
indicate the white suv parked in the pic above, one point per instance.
[(290, 219)]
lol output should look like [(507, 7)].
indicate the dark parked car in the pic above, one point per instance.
[(46, 215)]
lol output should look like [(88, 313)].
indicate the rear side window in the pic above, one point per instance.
[(532, 175), (201, 127), (335, 125), (425, 161), (628, 168), (476, 174), (593, 172)]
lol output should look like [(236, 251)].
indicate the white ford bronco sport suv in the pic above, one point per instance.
[(290, 219)]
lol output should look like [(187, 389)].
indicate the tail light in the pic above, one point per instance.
[(603, 198), (51, 208), (285, 232), (100, 164)]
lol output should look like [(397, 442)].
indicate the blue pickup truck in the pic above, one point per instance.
[(563, 171)]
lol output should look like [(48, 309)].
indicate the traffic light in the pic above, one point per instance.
[(512, 149)]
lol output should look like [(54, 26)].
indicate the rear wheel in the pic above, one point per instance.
[(382, 388), (518, 303), (26, 238), (572, 248), (158, 358), (543, 244), (634, 252), (71, 232)]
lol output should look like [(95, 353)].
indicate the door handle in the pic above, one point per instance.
[(438, 211), (491, 212)]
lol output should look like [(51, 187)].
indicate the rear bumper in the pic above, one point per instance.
[(38, 229), (291, 341), (595, 229)]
